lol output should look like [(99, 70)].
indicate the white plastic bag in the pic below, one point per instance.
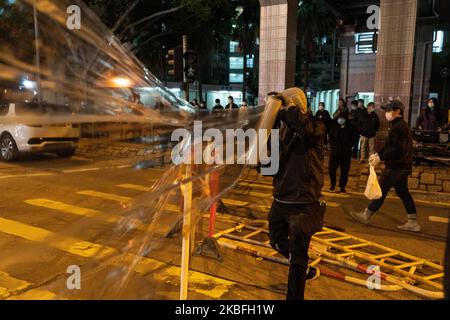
[(373, 189)]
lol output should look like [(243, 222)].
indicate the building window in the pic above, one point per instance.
[(250, 61), (234, 47), (438, 45), (364, 43), (237, 63), (236, 77)]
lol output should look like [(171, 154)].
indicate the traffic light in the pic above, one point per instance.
[(190, 66), (175, 63)]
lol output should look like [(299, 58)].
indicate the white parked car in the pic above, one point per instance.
[(16, 136)]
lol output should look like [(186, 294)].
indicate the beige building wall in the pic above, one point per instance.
[(278, 38)]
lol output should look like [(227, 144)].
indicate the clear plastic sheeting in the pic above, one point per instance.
[(114, 210)]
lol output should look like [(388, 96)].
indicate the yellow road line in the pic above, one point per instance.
[(27, 175), (96, 251), (439, 219), (60, 206), (79, 211), (134, 187), (232, 202), (35, 294), (106, 196), (68, 244), (80, 170), (257, 185), (335, 195), (266, 195), (10, 286)]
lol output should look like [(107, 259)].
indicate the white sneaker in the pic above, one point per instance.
[(411, 225), (362, 217)]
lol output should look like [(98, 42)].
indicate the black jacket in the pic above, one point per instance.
[(429, 119), (398, 149), (300, 177), (342, 140), (356, 118), (325, 117), (370, 125), (232, 106)]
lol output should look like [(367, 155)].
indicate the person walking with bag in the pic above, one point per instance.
[(397, 155), (297, 213)]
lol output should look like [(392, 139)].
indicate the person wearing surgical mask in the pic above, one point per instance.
[(430, 118), (324, 116), (341, 137), (397, 155)]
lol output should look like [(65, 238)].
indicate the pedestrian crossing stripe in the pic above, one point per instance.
[(11, 287), (9, 284), (80, 211), (35, 294), (106, 196), (60, 206), (67, 244), (216, 286)]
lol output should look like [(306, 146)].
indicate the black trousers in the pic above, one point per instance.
[(356, 148), (336, 162), (291, 228), (397, 178)]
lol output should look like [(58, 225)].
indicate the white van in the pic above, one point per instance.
[(16, 136)]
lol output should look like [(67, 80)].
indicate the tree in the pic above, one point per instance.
[(315, 20)]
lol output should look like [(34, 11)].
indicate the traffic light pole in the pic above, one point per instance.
[(185, 80)]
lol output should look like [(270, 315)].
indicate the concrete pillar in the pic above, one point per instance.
[(395, 57), (278, 44)]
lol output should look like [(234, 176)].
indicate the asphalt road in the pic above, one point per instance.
[(56, 213)]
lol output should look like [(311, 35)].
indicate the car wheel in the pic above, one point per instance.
[(8, 148), (68, 153)]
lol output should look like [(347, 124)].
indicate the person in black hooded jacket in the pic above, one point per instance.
[(297, 213)]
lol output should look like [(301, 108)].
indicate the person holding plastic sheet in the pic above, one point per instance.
[(397, 155), (342, 135), (297, 212)]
